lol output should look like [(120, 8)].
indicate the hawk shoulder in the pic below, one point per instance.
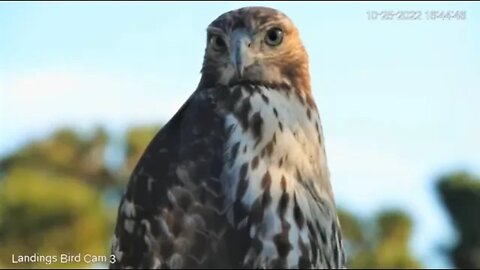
[(171, 208)]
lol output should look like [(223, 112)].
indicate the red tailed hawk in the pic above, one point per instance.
[(238, 178)]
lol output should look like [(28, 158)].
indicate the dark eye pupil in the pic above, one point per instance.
[(219, 42), (273, 35)]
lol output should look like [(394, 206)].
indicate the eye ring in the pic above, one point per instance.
[(217, 43), (274, 36)]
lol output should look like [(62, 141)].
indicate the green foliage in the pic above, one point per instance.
[(379, 243), (68, 153), (460, 193), (47, 213), (55, 193)]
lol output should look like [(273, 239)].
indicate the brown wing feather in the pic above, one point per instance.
[(171, 213)]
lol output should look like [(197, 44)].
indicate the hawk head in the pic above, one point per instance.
[(255, 45)]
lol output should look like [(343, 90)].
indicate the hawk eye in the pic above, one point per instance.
[(274, 37), (217, 43)]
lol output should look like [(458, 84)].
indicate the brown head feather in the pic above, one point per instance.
[(286, 63)]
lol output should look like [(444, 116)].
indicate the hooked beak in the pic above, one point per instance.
[(240, 54)]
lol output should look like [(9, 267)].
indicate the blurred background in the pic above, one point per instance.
[(85, 86)]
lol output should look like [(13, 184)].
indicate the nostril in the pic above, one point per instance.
[(249, 44)]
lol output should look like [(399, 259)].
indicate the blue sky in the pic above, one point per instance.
[(399, 100)]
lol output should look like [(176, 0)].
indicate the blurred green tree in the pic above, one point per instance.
[(69, 153), (48, 213), (460, 194), (379, 243), (55, 194)]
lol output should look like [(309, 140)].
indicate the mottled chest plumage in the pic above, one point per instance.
[(276, 178)]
